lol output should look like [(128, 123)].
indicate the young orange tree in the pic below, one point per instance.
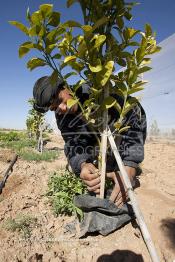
[(103, 45), (106, 53)]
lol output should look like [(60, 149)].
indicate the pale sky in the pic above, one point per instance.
[(159, 94)]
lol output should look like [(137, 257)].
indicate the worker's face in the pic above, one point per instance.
[(59, 104)]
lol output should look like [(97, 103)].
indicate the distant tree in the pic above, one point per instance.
[(29, 123), (154, 130), (35, 123)]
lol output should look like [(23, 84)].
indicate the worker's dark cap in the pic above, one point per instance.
[(44, 92)]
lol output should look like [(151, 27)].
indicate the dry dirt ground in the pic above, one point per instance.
[(24, 194)]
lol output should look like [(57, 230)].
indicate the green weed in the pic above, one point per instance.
[(24, 147), (16, 140), (9, 136), (33, 155), (18, 145), (1, 198), (62, 187), (22, 224)]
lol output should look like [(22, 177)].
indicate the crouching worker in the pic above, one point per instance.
[(80, 142)]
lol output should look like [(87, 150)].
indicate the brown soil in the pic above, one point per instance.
[(24, 194)]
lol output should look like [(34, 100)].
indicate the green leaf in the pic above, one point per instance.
[(123, 129), (28, 44), (145, 61), (134, 90), (120, 22), (86, 28), (130, 103), (100, 22), (79, 212), (71, 23), (51, 36), (155, 50), (42, 32), (118, 124), (121, 62), (69, 58), (99, 41), (133, 43), (23, 51), (75, 65), (82, 49), (125, 54), (108, 102), (20, 26), (132, 32), (148, 30), (108, 68), (96, 68), (128, 16), (25, 48), (126, 35), (70, 74), (34, 30), (50, 48), (144, 69), (139, 84), (78, 84), (36, 18), (96, 91), (71, 102), (143, 42), (119, 92), (118, 107), (28, 16), (35, 62), (71, 2), (132, 76), (46, 10), (56, 56), (140, 53), (54, 19), (121, 75), (121, 89), (130, 5)]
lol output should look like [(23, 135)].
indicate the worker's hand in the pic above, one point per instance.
[(119, 195), (90, 176)]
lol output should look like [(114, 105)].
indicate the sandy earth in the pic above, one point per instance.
[(24, 194)]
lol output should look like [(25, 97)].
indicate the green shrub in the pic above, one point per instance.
[(62, 187), (16, 140), (18, 145), (22, 224), (25, 147), (9, 136), (33, 155)]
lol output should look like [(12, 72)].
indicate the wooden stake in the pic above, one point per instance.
[(145, 233), (103, 150)]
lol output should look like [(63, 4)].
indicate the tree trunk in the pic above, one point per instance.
[(103, 147), (40, 141)]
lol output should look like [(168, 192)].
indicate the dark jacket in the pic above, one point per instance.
[(81, 145)]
